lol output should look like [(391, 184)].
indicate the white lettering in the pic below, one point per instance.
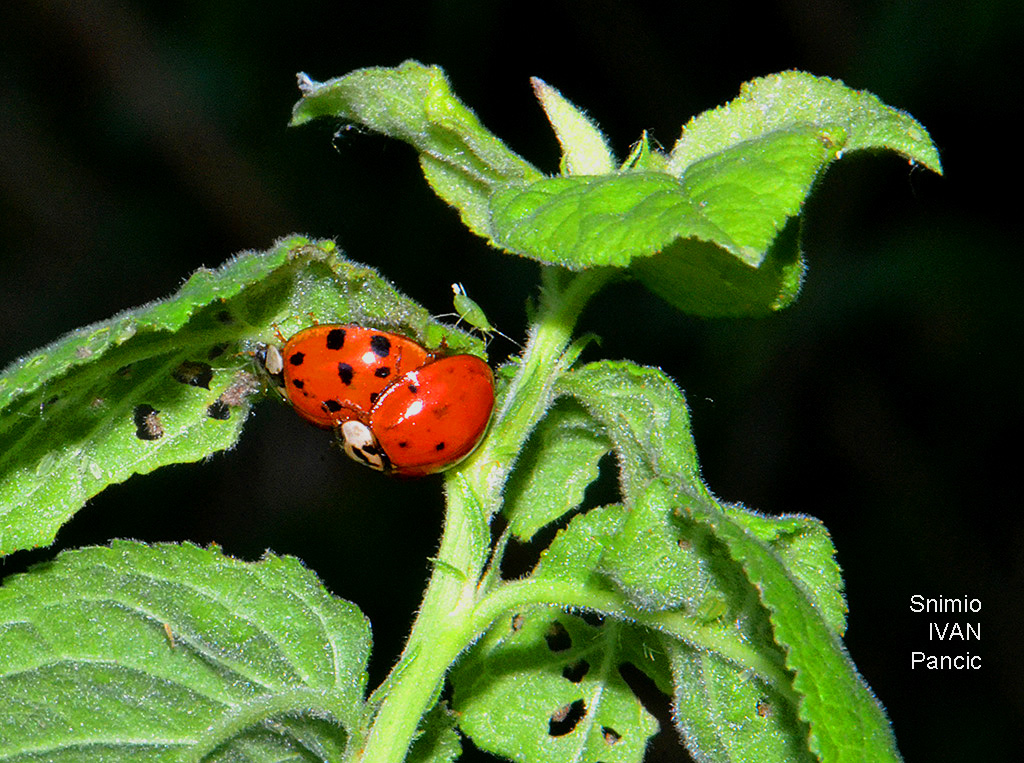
[(942, 604), (952, 631), (965, 661)]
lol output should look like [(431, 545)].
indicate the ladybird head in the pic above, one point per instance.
[(360, 444)]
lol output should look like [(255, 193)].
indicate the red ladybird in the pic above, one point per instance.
[(433, 417), (395, 406), (334, 373)]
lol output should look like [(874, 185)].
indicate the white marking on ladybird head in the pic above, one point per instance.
[(273, 361), (361, 445)]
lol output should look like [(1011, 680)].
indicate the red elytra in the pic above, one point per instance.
[(395, 406), (333, 373), (434, 417)]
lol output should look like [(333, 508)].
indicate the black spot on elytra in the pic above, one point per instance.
[(147, 422), (345, 373), (331, 406), (557, 637), (193, 372), (298, 383), (335, 339), (403, 444), (218, 410), (380, 345), (414, 388), (564, 720), (439, 446), (296, 358), (383, 372), (373, 397)]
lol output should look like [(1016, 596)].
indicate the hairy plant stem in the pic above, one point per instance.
[(445, 624)]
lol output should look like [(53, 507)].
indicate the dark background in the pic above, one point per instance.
[(140, 140)]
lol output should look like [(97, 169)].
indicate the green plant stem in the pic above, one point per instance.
[(445, 624), (563, 297)]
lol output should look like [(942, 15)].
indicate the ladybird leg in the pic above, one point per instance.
[(333, 408)]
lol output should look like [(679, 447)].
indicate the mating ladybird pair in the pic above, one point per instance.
[(395, 406)]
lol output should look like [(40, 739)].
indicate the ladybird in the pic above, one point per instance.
[(394, 406), (333, 373), (433, 417)]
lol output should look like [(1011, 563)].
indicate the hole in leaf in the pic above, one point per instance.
[(564, 720), (147, 422), (557, 637), (593, 619), (611, 736), (217, 350), (193, 372), (218, 410), (576, 671)]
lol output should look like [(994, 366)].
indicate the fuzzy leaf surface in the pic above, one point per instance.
[(171, 381), (780, 101), (738, 586), (846, 721), (414, 103), (701, 226), (560, 461), (738, 200), (546, 689), (175, 652)]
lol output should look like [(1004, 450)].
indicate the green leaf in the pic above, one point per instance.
[(560, 461), (461, 159), (846, 721), (172, 381), (584, 149), (805, 547), (646, 419), (781, 101), (644, 414), (737, 200), (725, 714), (546, 687), (138, 652), (702, 227), (744, 559), (439, 740), (702, 279)]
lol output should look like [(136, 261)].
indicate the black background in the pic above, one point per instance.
[(141, 140)]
